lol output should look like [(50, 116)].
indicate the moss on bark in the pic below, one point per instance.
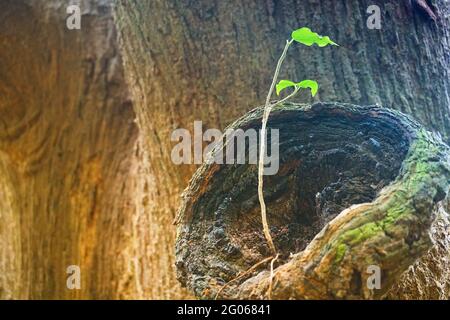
[(387, 225)]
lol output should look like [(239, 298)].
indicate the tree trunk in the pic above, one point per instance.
[(68, 164), (81, 184), (213, 60)]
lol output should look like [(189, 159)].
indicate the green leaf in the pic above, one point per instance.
[(311, 84), (307, 37), (283, 84)]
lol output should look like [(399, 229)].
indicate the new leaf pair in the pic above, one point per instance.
[(307, 37)]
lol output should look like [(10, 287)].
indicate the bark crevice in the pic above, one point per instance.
[(346, 179)]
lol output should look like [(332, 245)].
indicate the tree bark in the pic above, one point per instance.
[(81, 183), (68, 164), (357, 188), (213, 60)]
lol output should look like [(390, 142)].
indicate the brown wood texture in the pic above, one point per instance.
[(85, 120)]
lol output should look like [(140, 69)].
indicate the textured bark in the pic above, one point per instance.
[(213, 61), (67, 154), (80, 183), (365, 183)]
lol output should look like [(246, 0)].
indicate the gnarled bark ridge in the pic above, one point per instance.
[(357, 187)]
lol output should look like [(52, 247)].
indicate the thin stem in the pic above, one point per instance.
[(296, 89), (267, 109), (271, 276)]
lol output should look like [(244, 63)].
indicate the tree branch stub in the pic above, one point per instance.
[(357, 186)]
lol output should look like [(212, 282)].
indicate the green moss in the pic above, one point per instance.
[(419, 174), (340, 252), (393, 214), (355, 236)]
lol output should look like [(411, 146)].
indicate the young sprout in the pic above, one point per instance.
[(307, 37)]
